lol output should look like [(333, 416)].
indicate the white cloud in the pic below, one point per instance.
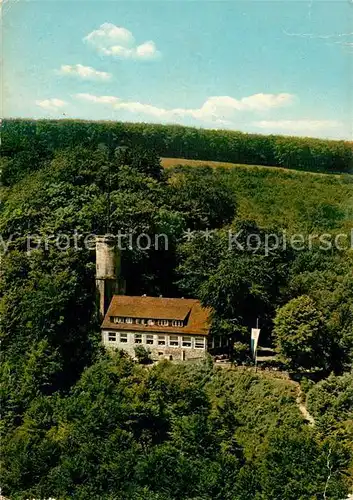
[(146, 50), (263, 102), (223, 107), (85, 72), (298, 125), (119, 42), (103, 99), (133, 107), (108, 33), (217, 109), (52, 104)]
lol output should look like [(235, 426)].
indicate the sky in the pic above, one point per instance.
[(283, 67)]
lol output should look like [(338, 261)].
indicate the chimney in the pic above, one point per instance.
[(108, 263)]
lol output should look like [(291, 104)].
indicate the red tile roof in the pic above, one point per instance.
[(195, 317)]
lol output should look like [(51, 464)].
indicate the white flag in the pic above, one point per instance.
[(255, 333)]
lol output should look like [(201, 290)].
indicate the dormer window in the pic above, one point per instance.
[(177, 323)]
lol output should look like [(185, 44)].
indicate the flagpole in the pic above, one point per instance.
[(256, 345), (257, 326)]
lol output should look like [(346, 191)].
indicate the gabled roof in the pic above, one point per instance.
[(195, 317)]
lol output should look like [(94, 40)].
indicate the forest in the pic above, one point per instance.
[(81, 423), (43, 137)]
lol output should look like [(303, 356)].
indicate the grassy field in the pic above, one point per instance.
[(174, 162), (288, 199)]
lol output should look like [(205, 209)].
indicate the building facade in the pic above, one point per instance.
[(175, 329)]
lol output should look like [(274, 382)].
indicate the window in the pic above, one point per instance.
[(118, 320), (186, 342), (174, 341), (176, 322), (149, 339), (123, 338), (161, 339), (112, 337), (128, 320), (163, 322), (138, 338), (150, 322), (199, 342)]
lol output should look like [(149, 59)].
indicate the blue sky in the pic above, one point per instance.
[(256, 66)]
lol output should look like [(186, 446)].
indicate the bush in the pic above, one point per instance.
[(143, 355), (306, 384)]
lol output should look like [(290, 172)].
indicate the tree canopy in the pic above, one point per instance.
[(81, 423)]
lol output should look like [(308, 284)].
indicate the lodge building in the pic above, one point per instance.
[(175, 328), (170, 328)]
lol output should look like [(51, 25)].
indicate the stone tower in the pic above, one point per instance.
[(108, 263)]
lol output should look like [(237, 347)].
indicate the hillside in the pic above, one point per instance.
[(174, 162), (291, 200), (298, 153), (176, 250), (81, 423)]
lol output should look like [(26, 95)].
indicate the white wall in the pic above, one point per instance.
[(157, 351)]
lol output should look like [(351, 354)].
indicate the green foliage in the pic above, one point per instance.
[(296, 202), (238, 282), (306, 384), (331, 403), (299, 334), (169, 433), (205, 197), (142, 354), (183, 142), (289, 457), (139, 159), (327, 279), (79, 423), (31, 155)]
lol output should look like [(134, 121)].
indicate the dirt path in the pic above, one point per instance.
[(300, 399), (303, 409)]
